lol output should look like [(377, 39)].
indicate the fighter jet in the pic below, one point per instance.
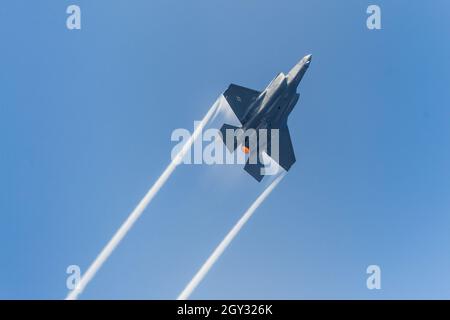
[(268, 110)]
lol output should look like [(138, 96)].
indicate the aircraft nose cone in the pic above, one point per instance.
[(295, 75), (308, 58)]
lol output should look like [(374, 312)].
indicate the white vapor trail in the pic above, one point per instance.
[(227, 240), (137, 212)]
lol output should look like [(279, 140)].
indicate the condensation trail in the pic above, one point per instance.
[(137, 212), (227, 240)]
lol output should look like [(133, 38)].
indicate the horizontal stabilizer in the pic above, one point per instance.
[(286, 151), (254, 170)]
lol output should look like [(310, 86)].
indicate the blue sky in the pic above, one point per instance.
[(85, 124)]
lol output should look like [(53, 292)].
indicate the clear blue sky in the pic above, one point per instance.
[(85, 124)]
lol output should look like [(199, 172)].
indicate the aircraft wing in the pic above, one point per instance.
[(240, 98)]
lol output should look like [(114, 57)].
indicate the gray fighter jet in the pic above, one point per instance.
[(268, 110)]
